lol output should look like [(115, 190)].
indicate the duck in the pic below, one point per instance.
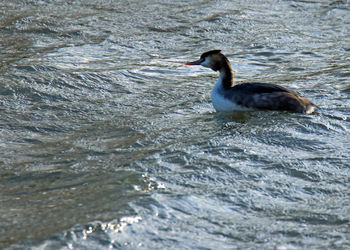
[(227, 96)]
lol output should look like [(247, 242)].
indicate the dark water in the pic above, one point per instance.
[(108, 141)]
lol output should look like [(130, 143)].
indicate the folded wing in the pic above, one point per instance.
[(270, 97)]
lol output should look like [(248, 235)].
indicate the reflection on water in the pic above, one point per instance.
[(109, 141)]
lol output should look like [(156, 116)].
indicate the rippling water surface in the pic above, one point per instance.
[(108, 141)]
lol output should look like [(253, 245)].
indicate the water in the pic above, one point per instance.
[(108, 141)]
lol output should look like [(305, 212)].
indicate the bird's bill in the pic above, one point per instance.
[(198, 62)]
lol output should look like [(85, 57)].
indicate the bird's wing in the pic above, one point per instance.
[(268, 96)]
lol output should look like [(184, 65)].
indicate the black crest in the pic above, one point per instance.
[(210, 52)]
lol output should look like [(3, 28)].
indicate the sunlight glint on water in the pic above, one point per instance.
[(109, 141)]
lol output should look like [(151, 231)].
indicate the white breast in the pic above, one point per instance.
[(221, 103)]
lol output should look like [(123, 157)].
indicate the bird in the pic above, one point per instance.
[(228, 97)]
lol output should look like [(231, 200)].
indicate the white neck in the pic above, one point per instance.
[(219, 97), (220, 103)]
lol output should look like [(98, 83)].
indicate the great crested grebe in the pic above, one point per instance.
[(248, 96)]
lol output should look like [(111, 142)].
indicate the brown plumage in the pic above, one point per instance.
[(249, 96)]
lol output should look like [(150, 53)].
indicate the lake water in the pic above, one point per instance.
[(107, 140)]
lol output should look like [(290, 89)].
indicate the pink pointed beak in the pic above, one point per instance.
[(198, 62)]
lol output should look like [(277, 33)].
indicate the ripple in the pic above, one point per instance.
[(103, 127)]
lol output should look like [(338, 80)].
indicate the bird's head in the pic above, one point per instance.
[(211, 59)]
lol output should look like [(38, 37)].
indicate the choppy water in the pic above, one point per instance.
[(108, 141)]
